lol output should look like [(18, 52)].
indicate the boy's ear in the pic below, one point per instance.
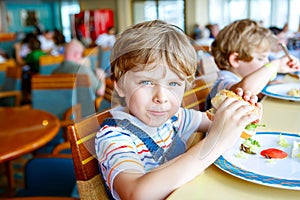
[(119, 90), (234, 59)]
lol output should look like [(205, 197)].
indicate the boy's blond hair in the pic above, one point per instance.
[(153, 42), (243, 37)]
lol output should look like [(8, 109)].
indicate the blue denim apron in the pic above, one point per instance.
[(176, 148), (161, 156)]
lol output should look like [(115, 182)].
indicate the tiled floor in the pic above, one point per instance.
[(18, 166)]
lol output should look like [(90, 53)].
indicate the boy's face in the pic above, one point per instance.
[(259, 59), (153, 96)]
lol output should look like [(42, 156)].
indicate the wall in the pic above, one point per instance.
[(46, 12), (196, 11), (101, 4)]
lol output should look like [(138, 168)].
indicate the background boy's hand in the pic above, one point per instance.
[(286, 65)]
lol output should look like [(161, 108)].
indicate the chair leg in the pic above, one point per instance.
[(9, 175)]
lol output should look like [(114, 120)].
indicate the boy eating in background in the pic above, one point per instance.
[(241, 52)]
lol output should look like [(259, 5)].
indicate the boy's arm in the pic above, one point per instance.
[(257, 80), (229, 121)]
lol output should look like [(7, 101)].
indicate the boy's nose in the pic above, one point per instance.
[(160, 94)]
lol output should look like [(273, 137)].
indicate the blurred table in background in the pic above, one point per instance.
[(24, 130)]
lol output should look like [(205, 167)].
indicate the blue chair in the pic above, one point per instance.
[(51, 175), (85, 95), (92, 55), (49, 62), (104, 60), (56, 94), (10, 94), (109, 99), (3, 67)]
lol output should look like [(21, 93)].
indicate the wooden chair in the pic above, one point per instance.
[(82, 140), (104, 60), (107, 101), (208, 66), (205, 48), (92, 55), (49, 62), (195, 97), (57, 94), (3, 68), (48, 175), (10, 94), (86, 95)]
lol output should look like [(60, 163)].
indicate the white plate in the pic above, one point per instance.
[(280, 91), (280, 173)]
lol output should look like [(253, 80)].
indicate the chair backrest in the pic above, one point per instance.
[(3, 67), (54, 93), (86, 95), (104, 60), (58, 92), (48, 176), (10, 93), (195, 97), (92, 54), (110, 98), (13, 79), (208, 65), (82, 140), (49, 62)]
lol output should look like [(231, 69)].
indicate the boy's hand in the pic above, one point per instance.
[(232, 116), (252, 99), (287, 65)]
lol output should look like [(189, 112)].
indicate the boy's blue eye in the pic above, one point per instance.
[(174, 84), (146, 83)]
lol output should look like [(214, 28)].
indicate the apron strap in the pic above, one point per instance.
[(156, 151)]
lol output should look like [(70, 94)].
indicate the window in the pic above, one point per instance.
[(260, 10), (169, 11), (269, 12), (294, 17), (68, 8), (236, 9)]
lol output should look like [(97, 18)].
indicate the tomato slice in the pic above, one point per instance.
[(273, 153)]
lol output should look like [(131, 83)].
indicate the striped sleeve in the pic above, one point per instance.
[(189, 120), (116, 152)]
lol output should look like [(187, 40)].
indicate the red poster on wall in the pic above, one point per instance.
[(100, 21), (91, 23)]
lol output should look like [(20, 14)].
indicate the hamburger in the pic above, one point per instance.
[(250, 129)]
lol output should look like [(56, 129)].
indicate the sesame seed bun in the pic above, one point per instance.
[(217, 101)]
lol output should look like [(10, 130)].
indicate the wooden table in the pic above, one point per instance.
[(23, 131), (213, 183)]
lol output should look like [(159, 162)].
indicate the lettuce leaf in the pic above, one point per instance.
[(254, 126)]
